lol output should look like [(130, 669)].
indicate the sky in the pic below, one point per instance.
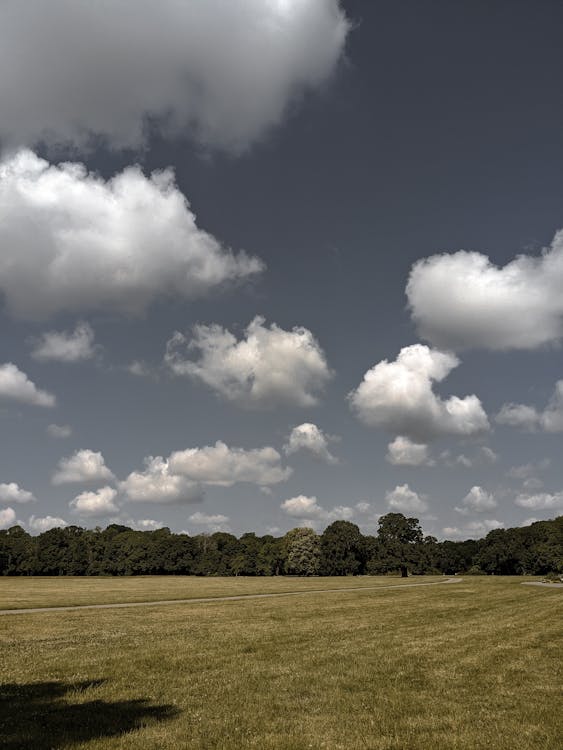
[(275, 263)]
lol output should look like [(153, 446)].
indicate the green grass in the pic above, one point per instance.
[(468, 666)]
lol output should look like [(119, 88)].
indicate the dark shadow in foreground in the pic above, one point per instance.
[(40, 715)]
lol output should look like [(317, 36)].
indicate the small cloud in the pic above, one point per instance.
[(16, 386), (478, 501), (66, 346), (405, 500), (59, 432), (13, 493), (95, 504), (40, 525), (7, 518), (83, 466), (309, 437)]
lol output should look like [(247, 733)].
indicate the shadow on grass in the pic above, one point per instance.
[(41, 716)]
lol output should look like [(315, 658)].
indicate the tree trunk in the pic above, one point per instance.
[(404, 571)]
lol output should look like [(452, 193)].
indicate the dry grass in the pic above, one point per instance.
[(51, 591), (463, 667)]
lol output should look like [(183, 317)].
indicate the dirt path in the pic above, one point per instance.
[(209, 599), (542, 583)]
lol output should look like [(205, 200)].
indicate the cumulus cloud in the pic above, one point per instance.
[(95, 504), (147, 524), (462, 300), (398, 396), (529, 418), (158, 484), (307, 509), (224, 466), (66, 346), (11, 492), (404, 500), (224, 72), (541, 501), (405, 452), (309, 437), (16, 386), (212, 522), (59, 431), (474, 529), (83, 466), (268, 367), (40, 525), (73, 241), (7, 518), (477, 500)]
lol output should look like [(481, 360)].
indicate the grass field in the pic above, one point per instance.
[(473, 665)]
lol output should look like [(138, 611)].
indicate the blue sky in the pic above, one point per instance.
[(266, 264)]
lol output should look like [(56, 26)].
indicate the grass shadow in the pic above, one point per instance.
[(42, 715)]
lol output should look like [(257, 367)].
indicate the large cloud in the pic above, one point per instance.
[(398, 396), (16, 386), (220, 465), (268, 367), (462, 300), (158, 484), (83, 466), (11, 492), (310, 438), (70, 240), (223, 71), (530, 418), (66, 346)]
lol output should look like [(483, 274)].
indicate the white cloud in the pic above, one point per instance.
[(40, 525), (158, 484), (541, 501), (7, 518), (474, 529), (16, 386), (147, 524), (309, 437), (66, 346), (72, 241), (405, 500), (212, 522), (529, 521), (270, 366), (405, 452), (95, 504), (398, 396), (308, 509), (11, 492), (477, 500), (224, 466), (462, 300), (529, 418), (225, 72), (83, 466), (59, 431)]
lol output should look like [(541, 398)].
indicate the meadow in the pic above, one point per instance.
[(468, 666)]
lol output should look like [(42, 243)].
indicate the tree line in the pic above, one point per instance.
[(398, 547)]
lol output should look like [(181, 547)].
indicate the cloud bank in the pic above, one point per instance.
[(223, 72)]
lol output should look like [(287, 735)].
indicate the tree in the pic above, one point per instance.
[(399, 538), (302, 552), (342, 549)]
